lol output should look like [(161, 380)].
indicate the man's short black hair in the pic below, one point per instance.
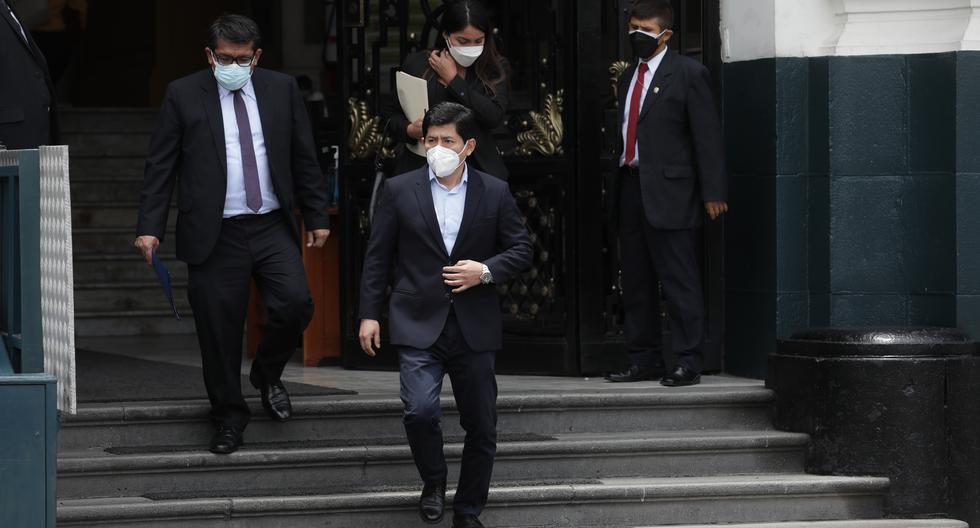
[(659, 9), (447, 113), (237, 29)]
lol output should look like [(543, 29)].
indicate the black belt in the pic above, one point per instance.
[(250, 216)]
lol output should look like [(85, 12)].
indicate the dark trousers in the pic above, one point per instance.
[(260, 247), (670, 257), (475, 390)]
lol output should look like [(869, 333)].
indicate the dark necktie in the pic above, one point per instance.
[(634, 115), (250, 169)]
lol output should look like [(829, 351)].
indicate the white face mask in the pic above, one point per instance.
[(443, 161), (465, 56), (231, 77)]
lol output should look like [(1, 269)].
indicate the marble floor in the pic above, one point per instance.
[(183, 350)]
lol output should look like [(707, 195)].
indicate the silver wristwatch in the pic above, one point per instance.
[(486, 277)]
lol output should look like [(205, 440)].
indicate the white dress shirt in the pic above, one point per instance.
[(235, 189), (652, 63), (449, 204)]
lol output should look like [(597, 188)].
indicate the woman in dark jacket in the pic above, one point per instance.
[(464, 68)]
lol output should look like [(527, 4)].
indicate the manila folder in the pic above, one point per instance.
[(413, 94)]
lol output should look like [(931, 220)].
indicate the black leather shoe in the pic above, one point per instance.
[(681, 377), (275, 399), (466, 521), (432, 504), (227, 440), (636, 373)]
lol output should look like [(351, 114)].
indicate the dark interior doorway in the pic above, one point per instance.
[(123, 52)]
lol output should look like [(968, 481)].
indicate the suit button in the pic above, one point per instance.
[(37, 74)]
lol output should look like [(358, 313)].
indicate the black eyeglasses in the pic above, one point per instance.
[(226, 60)]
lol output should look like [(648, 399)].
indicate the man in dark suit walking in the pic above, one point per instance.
[(27, 102), (236, 142), (672, 172), (452, 233)]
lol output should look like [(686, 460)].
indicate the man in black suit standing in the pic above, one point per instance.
[(452, 233), (672, 173), (27, 102), (236, 142)]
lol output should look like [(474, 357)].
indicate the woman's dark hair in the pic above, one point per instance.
[(447, 113), (236, 29), (491, 68), (648, 9)]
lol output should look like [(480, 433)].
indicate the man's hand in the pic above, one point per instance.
[(317, 237), (370, 335), (147, 245), (715, 209), (444, 65), (414, 129), (463, 276)]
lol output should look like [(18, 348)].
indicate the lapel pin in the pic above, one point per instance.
[(656, 89)]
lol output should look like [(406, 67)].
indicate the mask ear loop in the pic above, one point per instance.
[(460, 156), (651, 35)]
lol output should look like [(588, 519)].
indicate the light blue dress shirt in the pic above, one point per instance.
[(449, 206), (235, 189)]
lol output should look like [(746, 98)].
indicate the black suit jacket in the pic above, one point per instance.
[(406, 234), (681, 149), (27, 104), (490, 112), (188, 150)]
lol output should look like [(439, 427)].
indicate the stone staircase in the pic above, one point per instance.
[(115, 293), (582, 458)]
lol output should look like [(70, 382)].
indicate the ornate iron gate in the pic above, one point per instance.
[(562, 316)]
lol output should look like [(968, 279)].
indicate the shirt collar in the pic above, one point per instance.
[(248, 90), (655, 61), (466, 177)]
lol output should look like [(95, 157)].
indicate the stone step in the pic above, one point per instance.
[(558, 458), (122, 167), (133, 323), (606, 503), (106, 144), (79, 120), (863, 523), (127, 266), (101, 240), (324, 418), (93, 297), (107, 190), (111, 214)]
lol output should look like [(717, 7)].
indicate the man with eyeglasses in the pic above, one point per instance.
[(235, 140)]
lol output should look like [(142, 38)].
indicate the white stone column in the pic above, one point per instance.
[(754, 29)]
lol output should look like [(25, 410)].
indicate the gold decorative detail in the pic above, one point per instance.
[(547, 130), (365, 137), (616, 70)]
